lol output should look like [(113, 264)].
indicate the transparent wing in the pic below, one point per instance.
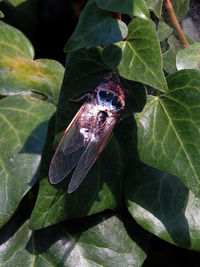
[(70, 148), (91, 153)]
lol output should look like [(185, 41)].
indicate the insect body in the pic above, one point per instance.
[(88, 132)]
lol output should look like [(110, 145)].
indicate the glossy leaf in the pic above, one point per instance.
[(1, 14), (189, 57), (131, 7), (138, 58), (168, 129), (96, 27), (169, 57), (161, 204), (23, 123), (155, 6), (99, 240), (163, 30), (102, 188), (19, 72)]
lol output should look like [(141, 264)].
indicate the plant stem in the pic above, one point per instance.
[(175, 23)]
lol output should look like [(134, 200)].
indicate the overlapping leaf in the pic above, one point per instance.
[(131, 7), (155, 6), (169, 57), (102, 188), (1, 14), (99, 240), (189, 58), (138, 58), (163, 30), (180, 8), (19, 72), (96, 27), (23, 124), (168, 129), (161, 204)]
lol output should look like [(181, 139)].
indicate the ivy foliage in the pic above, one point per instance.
[(149, 170)]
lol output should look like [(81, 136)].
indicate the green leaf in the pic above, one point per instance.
[(131, 7), (23, 123), (163, 30), (13, 43), (138, 58), (189, 57), (102, 188), (169, 57), (168, 129), (180, 8), (19, 72), (161, 204), (96, 27), (16, 2), (100, 240), (1, 15), (155, 6)]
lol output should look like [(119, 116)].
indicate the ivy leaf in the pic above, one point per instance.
[(168, 129), (169, 57), (19, 72), (23, 123), (102, 188), (131, 7), (1, 14), (16, 2), (96, 27), (102, 239), (180, 8), (163, 30), (163, 205), (155, 6), (189, 57), (138, 58)]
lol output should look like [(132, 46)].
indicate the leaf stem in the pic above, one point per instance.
[(175, 23)]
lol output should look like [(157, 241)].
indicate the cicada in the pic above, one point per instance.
[(88, 132)]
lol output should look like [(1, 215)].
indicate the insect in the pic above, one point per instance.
[(88, 132)]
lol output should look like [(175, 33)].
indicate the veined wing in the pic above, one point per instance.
[(91, 153), (70, 148)]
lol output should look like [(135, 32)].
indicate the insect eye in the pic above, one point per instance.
[(116, 102), (105, 96)]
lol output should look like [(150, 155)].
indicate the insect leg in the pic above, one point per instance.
[(81, 98)]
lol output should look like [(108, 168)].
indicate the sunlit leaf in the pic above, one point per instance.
[(169, 57), (138, 58), (189, 57), (102, 188), (168, 129), (163, 30), (155, 6), (19, 72), (23, 123), (99, 240)]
